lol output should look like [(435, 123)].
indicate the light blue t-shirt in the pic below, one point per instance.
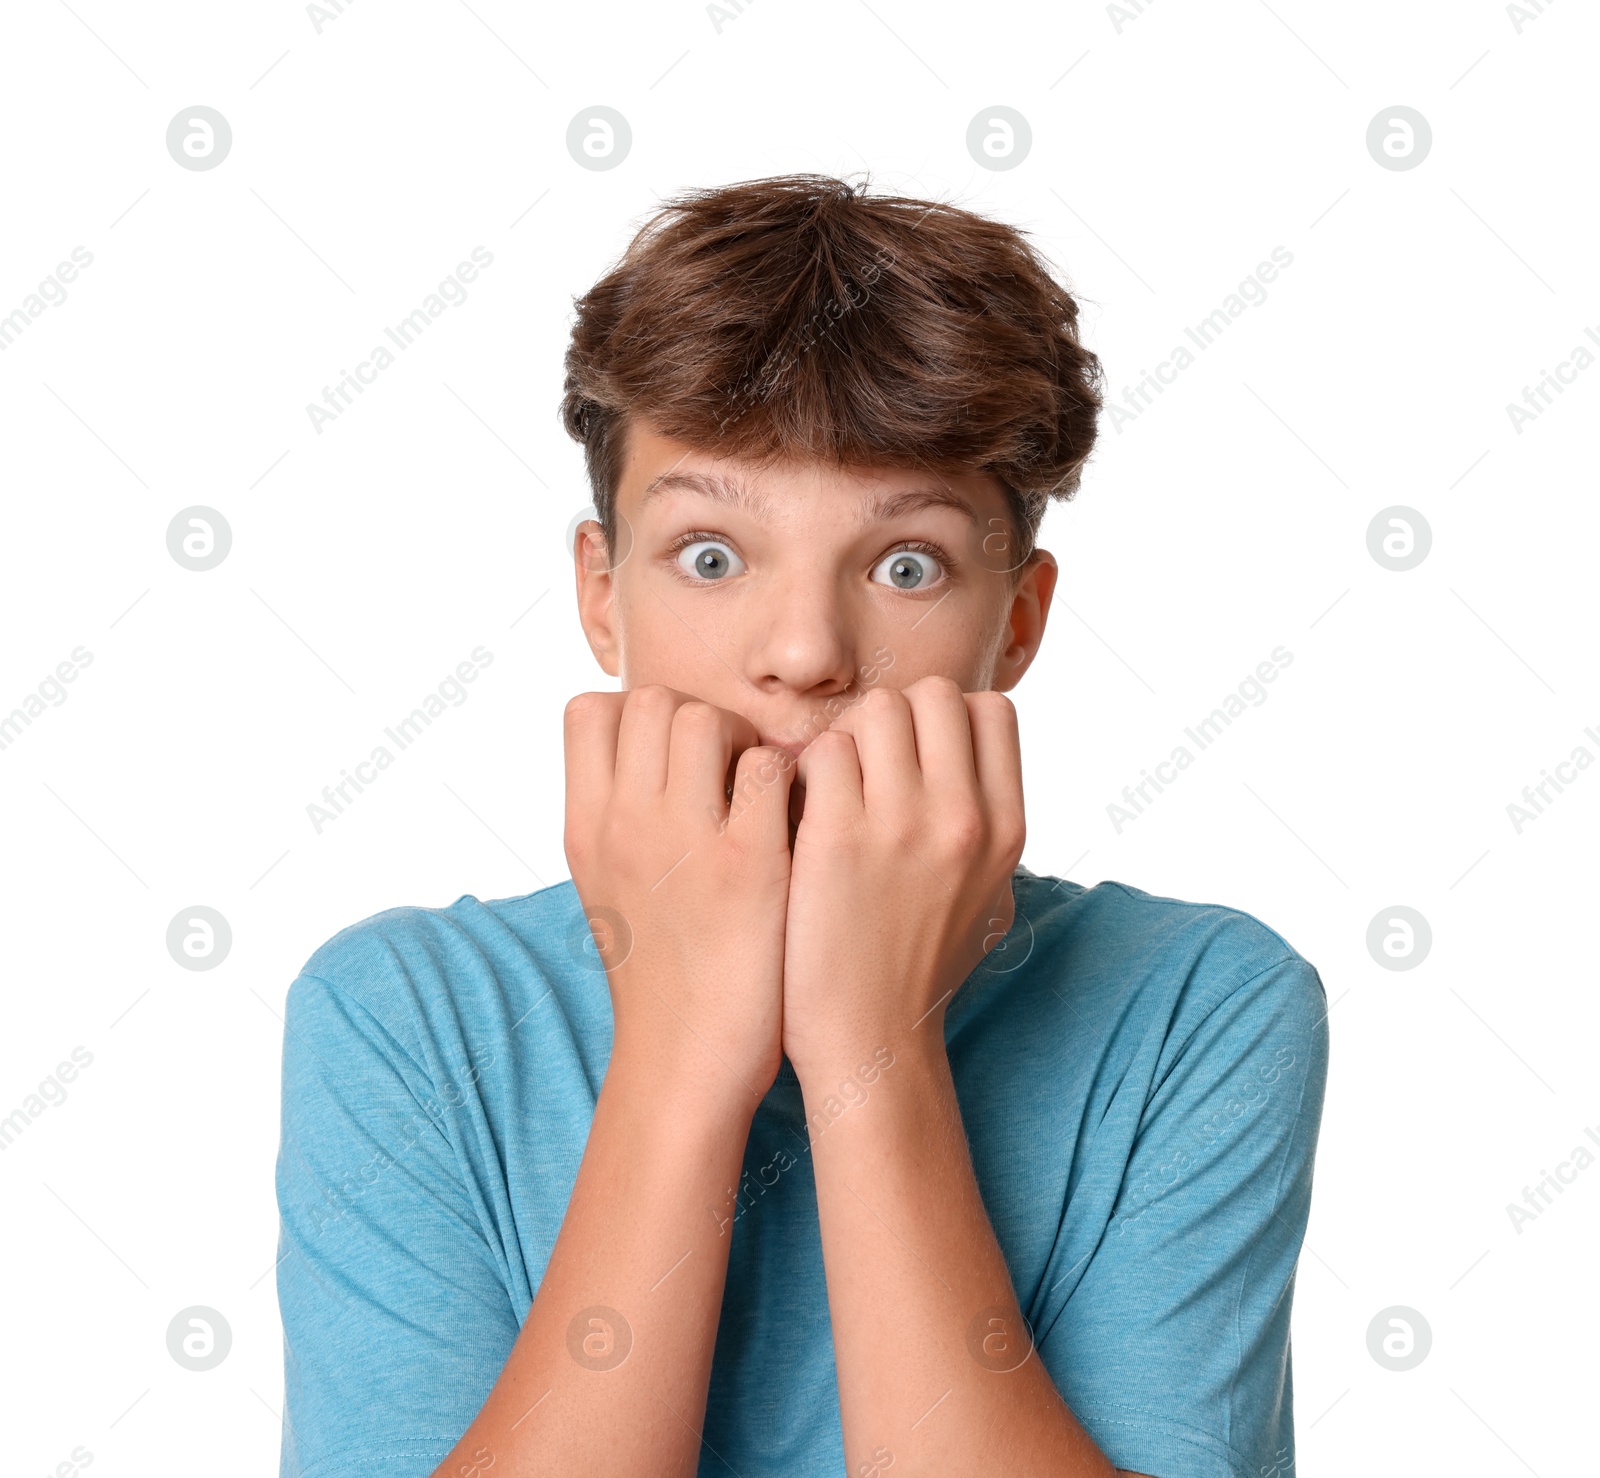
[(1141, 1082)]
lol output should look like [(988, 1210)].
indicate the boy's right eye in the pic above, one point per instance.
[(708, 560)]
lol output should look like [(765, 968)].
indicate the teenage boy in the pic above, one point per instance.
[(804, 1131)]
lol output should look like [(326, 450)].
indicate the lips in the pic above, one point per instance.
[(796, 747)]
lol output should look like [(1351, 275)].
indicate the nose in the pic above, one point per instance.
[(806, 646)]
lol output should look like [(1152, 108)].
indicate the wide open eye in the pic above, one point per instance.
[(908, 569), (709, 560)]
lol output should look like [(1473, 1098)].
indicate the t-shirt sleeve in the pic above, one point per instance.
[(396, 1316), (1173, 1347)]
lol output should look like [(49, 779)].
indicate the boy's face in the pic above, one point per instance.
[(784, 592)]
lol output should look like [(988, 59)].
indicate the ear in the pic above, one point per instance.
[(597, 588), (1030, 610)]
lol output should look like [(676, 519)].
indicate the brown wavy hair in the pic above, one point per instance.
[(803, 317)]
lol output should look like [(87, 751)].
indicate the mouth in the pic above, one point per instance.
[(794, 747), (797, 810)]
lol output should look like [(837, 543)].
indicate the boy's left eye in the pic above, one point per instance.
[(907, 569)]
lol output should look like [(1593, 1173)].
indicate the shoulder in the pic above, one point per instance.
[(406, 965), (1128, 919), (385, 943), (1165, 957)]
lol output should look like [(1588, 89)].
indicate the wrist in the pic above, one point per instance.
[(897, 1120), (834, 1082), (846, 1050), (649, 1078)]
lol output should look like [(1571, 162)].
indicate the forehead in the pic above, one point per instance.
[(656, 467)]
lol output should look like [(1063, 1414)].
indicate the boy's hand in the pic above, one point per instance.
[(913, 825), (687, 908)]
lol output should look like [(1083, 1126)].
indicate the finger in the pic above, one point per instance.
[(644, 739), (705, 739), (830, 770), (760, 805), (997, 753), (943, 736), (886, 746), (589, 740)]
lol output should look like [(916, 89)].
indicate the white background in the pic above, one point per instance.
[(1172, 150)]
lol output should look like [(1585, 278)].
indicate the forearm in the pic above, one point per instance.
[(936, 1369), (610, 1371)]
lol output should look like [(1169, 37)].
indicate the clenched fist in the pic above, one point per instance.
[(902, 869), (693, 901)]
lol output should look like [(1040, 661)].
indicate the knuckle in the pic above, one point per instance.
[(883, 701), (652, 698), (575, 842), (698, 715), (995, 721), (764, 760), (994, 705), (587, 706), (965, 829)]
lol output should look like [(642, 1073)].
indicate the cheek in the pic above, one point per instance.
[(960, 638), (663, 638)]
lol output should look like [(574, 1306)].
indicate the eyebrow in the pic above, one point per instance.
[(711, 485), (882, 508), (878, 509)]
